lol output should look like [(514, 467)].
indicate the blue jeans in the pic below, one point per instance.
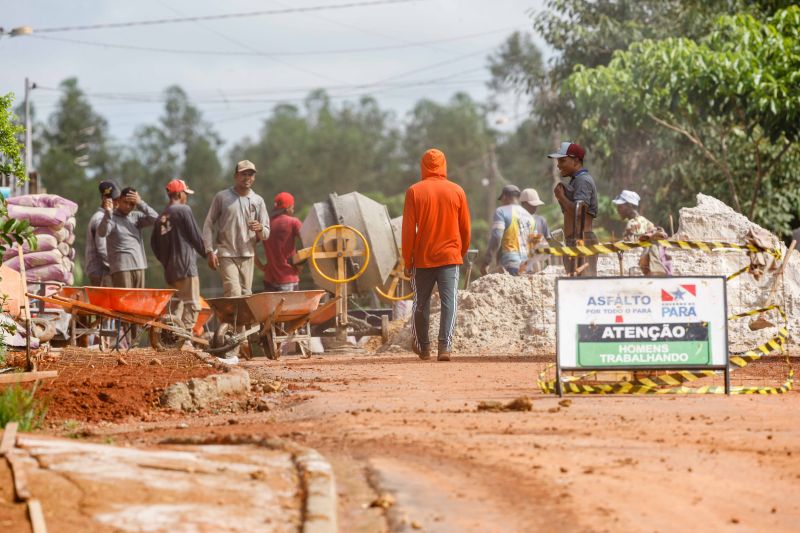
[(422, 281)]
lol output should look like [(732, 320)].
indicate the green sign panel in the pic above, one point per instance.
[(623, 345)]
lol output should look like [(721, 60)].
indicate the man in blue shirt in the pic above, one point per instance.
[(578, 201)]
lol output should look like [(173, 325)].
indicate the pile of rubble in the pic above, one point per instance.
[(501, 314)]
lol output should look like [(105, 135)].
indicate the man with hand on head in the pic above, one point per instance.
[(122, 227), (175, 240), (540, 233), (236, 222), (280, 274), (96, 254), (578, 201)]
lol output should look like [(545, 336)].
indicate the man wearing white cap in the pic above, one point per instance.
[(654, 261), (236, 222), (175, 240), (628, 208), (529, 199)]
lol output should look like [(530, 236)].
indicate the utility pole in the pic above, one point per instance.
[(494, 177), (28, 135)]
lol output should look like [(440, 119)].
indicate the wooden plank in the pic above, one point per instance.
[(9, 436), (23, 377), (21, 489), (36, 516), (133, 319)]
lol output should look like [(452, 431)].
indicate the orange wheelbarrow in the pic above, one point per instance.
[(266, 320)]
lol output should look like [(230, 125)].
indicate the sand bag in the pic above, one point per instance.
[(45, 200), (61, 234), (55, 272), (37, 259), (64, 248), (69, 224), (50, 217), (44, 243)]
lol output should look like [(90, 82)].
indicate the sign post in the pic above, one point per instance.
[(641, 323)]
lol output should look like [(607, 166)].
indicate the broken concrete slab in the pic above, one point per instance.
[(199, 393)]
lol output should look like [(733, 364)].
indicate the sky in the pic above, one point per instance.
[(237, 69)]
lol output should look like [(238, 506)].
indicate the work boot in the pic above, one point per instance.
[(423, 351), (444, 353)]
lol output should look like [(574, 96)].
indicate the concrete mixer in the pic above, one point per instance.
[(353, 248)]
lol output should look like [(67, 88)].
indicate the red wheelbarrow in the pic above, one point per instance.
[(268, 319), (90, 306)]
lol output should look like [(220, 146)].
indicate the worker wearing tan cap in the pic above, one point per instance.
[(540, 232), (236, 222)]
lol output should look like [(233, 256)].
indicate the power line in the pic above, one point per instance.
[(246, 46), (176, 20), (272, 54)]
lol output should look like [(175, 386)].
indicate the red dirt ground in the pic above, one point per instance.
[(93, 386)]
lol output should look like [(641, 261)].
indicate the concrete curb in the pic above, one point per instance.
[(320, 488), (320, 505)]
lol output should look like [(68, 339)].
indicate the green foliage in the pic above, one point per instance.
[(19, 404), (10, 158), (516, 65), (723, 109)]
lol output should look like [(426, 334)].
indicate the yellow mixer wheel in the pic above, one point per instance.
[(340, 254), (397, 276)]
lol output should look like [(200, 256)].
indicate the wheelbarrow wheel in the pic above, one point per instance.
[(222, 342), (162, 339)]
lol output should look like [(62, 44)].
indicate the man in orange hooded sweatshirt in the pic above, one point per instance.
[(436, 233)]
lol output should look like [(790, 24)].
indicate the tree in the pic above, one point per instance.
[(732, 97), (75, 155), (11, 230), (181, 145), (323, 148)]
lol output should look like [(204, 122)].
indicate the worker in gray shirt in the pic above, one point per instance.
[(236, 222), (122, 226), (95, 255)]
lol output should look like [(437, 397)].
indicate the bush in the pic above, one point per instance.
[(18, 404)]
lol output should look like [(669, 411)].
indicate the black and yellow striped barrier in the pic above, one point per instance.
[(583, 250), (672, 383)]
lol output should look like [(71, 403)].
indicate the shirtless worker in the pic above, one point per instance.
[(578, 201)]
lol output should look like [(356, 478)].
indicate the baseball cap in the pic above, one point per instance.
[(283, 200), (177, 185), (569, 149), (510, 190), (243, 165), (627, 197), (530, 196), (110, 189)]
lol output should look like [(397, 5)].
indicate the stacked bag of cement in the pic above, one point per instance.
[(53, 220)]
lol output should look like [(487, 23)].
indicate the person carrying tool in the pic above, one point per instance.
[(529, 199), (654, 261), (122, 225), (280, 274), (435, 238), (175, 240), (511, 228), (236, 221), (95, 251), (578, 201)]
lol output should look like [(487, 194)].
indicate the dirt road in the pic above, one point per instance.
[(410, 428)]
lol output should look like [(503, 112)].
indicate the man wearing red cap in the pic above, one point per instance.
[(578, 201), (436, 235), (279, 273), (175, 240)]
